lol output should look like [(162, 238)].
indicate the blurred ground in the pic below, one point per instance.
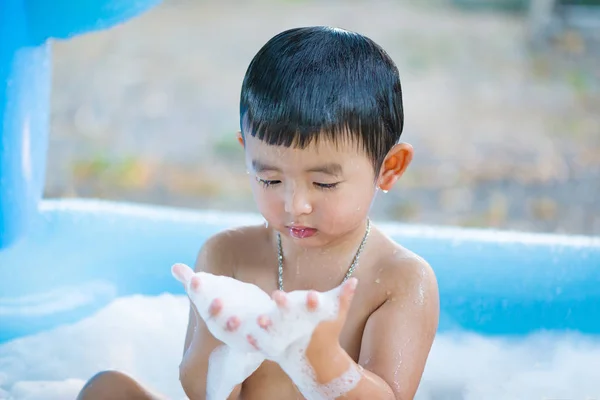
[(504, 137)]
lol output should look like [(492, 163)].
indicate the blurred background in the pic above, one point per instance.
[(502, 105)]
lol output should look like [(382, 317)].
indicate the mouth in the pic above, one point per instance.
[(301, 232)]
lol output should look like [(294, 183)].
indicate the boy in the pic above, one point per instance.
[(321, 116)]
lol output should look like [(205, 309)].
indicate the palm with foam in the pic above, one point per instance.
[(226, 305), (244, 317), (255, 327)]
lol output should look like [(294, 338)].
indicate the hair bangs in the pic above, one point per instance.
[(318, 83)]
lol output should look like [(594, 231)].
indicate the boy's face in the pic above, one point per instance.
[(312, 195)]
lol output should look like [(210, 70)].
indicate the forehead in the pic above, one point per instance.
[(322, 150)]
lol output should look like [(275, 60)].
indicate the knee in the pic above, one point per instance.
[(107, 385)]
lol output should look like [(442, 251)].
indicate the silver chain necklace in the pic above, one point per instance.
[(350, 270)]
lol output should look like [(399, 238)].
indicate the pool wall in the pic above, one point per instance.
[(81, 254)]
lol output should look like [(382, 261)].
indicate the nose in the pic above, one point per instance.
[(297, 202)]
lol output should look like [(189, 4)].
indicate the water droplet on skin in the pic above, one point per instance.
[(377, 280)]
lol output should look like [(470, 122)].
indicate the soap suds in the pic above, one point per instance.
[(143, 337), (285, 340), (342, 384)]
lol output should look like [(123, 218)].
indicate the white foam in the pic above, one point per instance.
[(239, 366), (342, 384), (244, 301), (47, 390), (143, 336), (295, 324), (285, 341), (140, 335), (540, 366), (299, 369), (241, 299)]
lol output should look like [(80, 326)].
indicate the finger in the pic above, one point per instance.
[(347, 294), (215, 307), (195, 283), (312, 300), (182, 272), (252, 341), (280, 299), (264, 322), (232, 323)]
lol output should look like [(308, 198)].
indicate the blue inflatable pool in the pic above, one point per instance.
[(81, 254), (63, 260)]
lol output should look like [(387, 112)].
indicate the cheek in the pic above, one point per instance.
[(267, 201), (347, 206)]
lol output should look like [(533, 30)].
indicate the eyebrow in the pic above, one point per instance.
[(329, 169)]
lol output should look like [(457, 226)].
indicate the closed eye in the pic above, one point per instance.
[(267, 183), (326, 185), (272, 182)]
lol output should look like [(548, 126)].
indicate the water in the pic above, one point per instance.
[(143, 336)]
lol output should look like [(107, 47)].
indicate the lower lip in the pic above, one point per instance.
[(302, 233)]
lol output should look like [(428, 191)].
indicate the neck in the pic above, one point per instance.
[(328, 263)]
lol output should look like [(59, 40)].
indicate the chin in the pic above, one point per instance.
[(312, 242)]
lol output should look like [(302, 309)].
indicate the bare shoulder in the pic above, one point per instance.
[(405, 322), (221, 252), (408, 276)]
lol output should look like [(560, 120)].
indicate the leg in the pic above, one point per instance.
[(113, 385)]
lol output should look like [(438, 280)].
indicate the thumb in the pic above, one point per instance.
[(182, 272), (346, 296)]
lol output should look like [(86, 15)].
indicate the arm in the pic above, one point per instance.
[(397, 337), (199, 342)]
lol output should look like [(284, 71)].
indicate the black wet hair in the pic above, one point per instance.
[(318, 82)]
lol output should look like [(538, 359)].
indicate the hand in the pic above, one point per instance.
[(222, 302), (325, 338), (217, 322), (292, 320), (307, 319)]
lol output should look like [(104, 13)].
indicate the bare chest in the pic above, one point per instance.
[(269, 381)]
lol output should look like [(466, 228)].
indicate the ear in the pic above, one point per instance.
[(394, 165), (182, 273), (240, 138)]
